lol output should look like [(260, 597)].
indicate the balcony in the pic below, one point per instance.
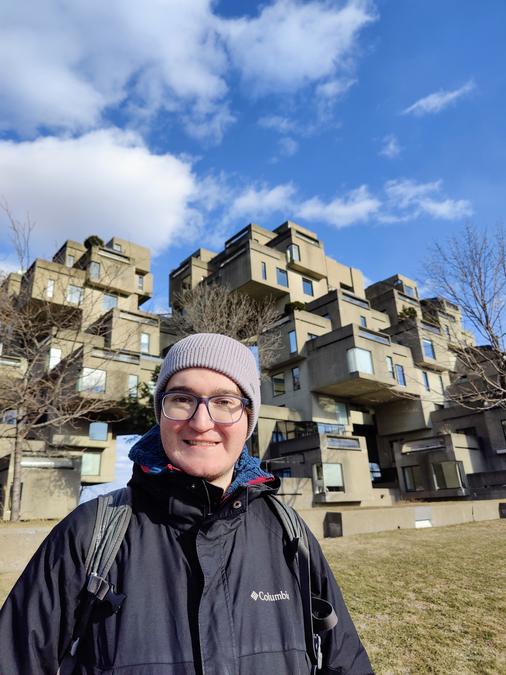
[(361, 365)]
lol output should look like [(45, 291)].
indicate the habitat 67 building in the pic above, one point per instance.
[(356, 412)]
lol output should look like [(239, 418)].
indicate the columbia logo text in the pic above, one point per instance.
[(270, 597)]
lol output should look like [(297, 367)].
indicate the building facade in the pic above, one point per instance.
[(91, 345), (356, 407)]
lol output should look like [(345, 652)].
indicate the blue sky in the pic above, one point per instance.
[(380, 125)]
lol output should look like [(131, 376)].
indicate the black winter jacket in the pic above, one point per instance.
[(208, 585)]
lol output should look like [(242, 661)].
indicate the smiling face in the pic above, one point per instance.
[(199, 446)]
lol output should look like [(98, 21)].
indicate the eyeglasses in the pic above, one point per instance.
[(222, 408)]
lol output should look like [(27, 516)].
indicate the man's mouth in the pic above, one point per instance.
[(209, 444)]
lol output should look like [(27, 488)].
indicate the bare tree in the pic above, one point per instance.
[(213, 308), (40, 395), (469, 270)]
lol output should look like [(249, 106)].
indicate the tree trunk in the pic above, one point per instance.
[(16, 477)]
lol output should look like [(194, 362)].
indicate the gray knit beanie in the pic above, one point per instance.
[(216, 352)]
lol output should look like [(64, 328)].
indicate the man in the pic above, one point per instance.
[(203, 563)]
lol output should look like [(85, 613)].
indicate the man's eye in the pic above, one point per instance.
[(225, 402), (182, 399)]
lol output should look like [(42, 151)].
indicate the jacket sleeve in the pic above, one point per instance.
[(343, 651), (37, 619)]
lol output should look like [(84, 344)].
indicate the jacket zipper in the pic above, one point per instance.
[(209, 511)]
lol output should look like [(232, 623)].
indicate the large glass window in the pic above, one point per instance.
[(278, 384), (329, 477), (413, 478), (390, 366), (341, 413), (360, 360), (117, 248), (282, 277), (296, 378), (54, 357), (307, 286), (292, 338), (50, 289), (74, 294), (109, 301), (401, 377), (90, 463), (94, 270), (145, 343), (293, 253), (133, 384), (93, 380), (409, 290), (428, 348), (98, 431), (448, 475)]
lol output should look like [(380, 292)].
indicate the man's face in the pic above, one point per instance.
[(199, 446)]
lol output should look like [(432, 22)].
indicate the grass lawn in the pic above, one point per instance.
[(424, 601), (427, 601)]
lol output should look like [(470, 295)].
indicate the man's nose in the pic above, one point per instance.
[(201, 419)]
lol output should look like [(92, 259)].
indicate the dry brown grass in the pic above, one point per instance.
[(427, 601)]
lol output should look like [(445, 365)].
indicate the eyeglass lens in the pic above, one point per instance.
[(224, 409)]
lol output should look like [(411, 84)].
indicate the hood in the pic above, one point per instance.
[(149, 454)]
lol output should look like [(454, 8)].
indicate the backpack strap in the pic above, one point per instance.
[(114, 511), (319, 615)]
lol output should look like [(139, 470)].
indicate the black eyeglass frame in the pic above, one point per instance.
[(205, 399)]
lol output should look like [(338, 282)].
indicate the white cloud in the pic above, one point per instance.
[(439, 100), (356, 207), (254, 202), (284, 125), (72, 64), (287, 146), (334, 88), (291, 44), (390, 147), (413, 199), (105, 182)]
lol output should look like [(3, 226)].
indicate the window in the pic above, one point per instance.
[(449, 475), (282, 277), (92, 380), (413, 478), (390, 366), (54, 357), (90, 463), (341, 413), (264, 270), (94, 270), (360, 360), (363, 321), (425, 378), (140, 282), (428, 348), (9, 417), (296, 378), (117, 248), (74, 294), (109, 302), (329, 477), (447, 331), (347, 297), (145, 343), (50, 289), (70, 260), (98, 431), (441, 386), (307, 286), (292, 338), (278, 384), (133, 384), (409, 290), (293, 253), (401, 378)]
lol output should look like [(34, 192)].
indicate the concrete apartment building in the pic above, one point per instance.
[(105, 351), (356, 410)]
